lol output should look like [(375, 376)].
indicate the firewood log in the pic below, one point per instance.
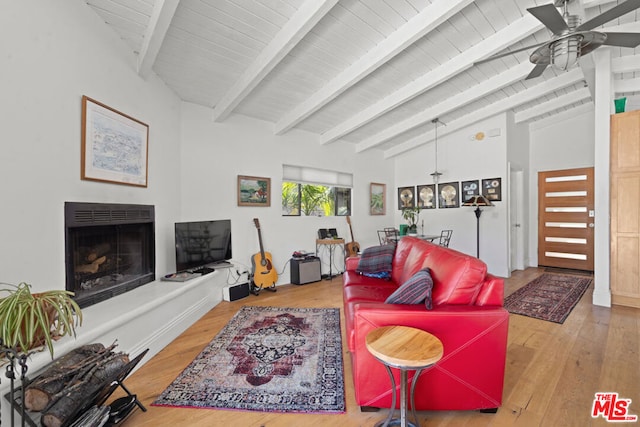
[(97, 251), (91, 268), (66, 408), (39, 391), (66, 404)]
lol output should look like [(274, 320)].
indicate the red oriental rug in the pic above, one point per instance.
[(550, 297), (269, 359)]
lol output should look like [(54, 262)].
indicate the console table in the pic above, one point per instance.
[(331, 244)]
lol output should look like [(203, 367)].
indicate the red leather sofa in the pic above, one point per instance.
[(467, 316)]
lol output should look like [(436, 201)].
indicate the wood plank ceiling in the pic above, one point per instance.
[(373, 73)]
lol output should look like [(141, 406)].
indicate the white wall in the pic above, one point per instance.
[(460, 158), (562, 144), (63, 52), (214, 154), (518, 148), (52, 53)]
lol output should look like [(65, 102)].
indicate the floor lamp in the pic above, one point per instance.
[(477, 202)]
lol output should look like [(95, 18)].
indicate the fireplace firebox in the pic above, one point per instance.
[(109, 249)]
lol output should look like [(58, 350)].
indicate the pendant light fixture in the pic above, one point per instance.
[(436, 175)]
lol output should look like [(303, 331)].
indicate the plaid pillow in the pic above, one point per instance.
[(416, 290), (376, 259)]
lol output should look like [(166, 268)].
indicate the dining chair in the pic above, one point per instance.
[(445, 238), (390, 236)]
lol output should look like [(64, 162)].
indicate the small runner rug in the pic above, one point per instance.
[(269, 359), (550, 297)]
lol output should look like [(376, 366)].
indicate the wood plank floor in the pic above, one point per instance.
[(552, 374)]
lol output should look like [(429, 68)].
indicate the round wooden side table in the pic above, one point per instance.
[(406, 349)]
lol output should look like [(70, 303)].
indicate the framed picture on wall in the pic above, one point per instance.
[(427, 196), (254, 191), (470, 189), (114, 145), (449, 195), (492, 189), (377, 196), (406, 197)]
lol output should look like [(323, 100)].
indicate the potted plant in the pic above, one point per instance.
[(411, 215), (31, 320)]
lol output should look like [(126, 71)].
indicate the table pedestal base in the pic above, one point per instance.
[(402, 421)]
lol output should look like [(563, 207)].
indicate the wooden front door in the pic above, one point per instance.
[(566, 219)]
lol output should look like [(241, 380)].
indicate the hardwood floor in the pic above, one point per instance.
[(552, 373)]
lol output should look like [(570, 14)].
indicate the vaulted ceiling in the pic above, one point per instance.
[(372, 73)]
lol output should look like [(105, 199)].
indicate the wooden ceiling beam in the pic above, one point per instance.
[(472, 94), (306, 17), (417, 27), (161, 16), (514, 32), (627, 85), (625, 64), (566, 79), (552, 105), (561, 116)]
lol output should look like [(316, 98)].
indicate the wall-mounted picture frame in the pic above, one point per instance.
[(406, 197), (449, 195), (427, 196), (377, 198), (470, 189), (115, 146), (254, 191), (492, 189)]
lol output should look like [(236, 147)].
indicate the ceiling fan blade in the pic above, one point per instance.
[(511, 52), (537, 70), (550, 17), (622, 39), (613, 13)]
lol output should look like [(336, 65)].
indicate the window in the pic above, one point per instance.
[(315, 192)]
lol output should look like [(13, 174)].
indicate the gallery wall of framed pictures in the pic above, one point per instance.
[(448, 195)]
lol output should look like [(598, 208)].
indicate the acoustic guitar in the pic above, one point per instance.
[(264, 275), (352, 247)]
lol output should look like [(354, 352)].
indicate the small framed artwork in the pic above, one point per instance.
[(470, 189), (114, 145), (254, 191), (427, 196), (492, 189), (377, 196), (406, 197), (449, 195)]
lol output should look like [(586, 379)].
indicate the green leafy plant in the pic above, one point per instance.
[(411, 216), (30, 320)]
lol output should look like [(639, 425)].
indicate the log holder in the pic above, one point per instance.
[(17, 362)]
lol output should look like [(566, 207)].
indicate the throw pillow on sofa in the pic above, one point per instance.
[(416, 290), (375, 261)]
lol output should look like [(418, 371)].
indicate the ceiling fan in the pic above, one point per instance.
[(571, 39)]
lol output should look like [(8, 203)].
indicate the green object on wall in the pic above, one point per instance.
[(620, 103)]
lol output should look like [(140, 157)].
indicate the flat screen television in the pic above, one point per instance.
[(202, 243)]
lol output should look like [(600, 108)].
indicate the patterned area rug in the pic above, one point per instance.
[(550, 297), (269, 359)]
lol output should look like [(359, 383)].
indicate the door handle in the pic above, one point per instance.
[(591, 225)]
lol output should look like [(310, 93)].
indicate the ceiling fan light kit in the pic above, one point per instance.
[(571, 39)]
